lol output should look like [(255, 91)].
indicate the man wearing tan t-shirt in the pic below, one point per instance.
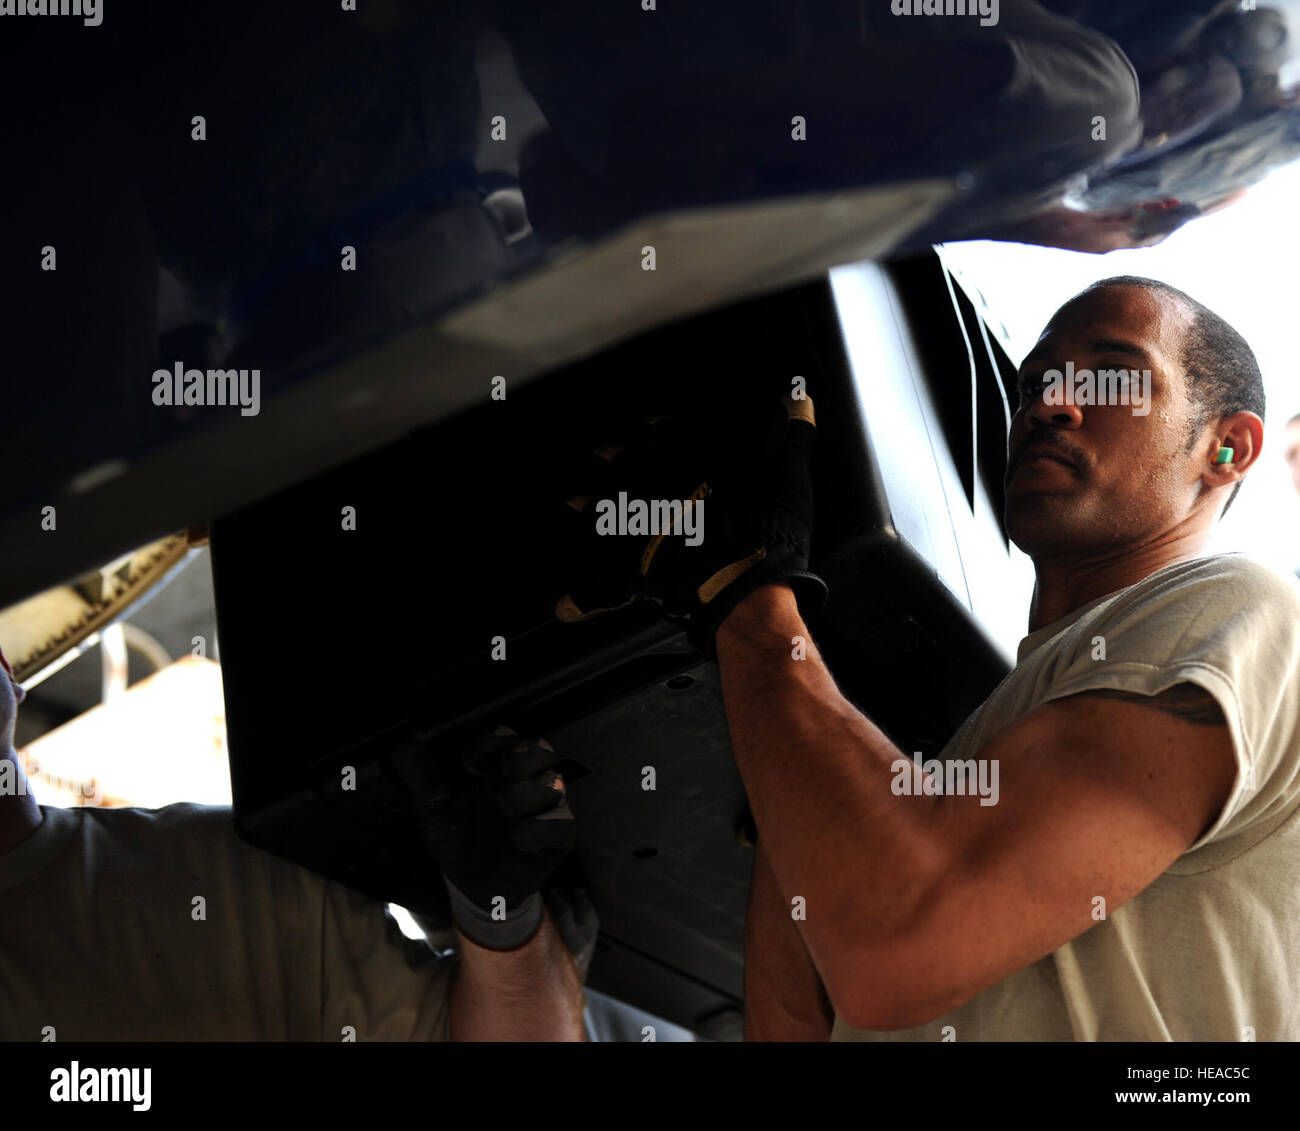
[(134, 924), (1107, 848), (1121, 862)]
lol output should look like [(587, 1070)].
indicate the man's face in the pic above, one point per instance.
[(1127, 478), (1293, 452)]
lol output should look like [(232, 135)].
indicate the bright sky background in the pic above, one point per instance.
[(1240, 262)]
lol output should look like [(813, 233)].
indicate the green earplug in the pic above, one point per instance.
[(1224, 456)]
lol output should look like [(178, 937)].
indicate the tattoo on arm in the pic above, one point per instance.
[(1184, 701)]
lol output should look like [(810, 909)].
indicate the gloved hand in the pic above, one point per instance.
[(498, 823), (753, 527)]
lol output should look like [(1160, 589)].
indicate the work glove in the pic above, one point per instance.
[(498, 823), (752, 525)]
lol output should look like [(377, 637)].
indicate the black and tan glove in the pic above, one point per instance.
[(498, 823), (747, 527)]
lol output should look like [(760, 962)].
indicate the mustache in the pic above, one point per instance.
[(1048, 444)]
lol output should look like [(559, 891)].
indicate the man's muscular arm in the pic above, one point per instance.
[(917, 904)]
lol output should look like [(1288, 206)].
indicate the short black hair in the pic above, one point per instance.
[(1223, 376)]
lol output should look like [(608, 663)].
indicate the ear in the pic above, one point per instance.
[(1243, 432)]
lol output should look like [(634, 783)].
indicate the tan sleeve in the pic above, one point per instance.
[(376, 984), (1231, 627)]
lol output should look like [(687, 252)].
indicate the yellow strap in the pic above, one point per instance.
[(648, 554), (726, 575), (801, 409)]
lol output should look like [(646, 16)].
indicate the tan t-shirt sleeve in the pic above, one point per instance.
[(1231, 626), (376, 984)]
